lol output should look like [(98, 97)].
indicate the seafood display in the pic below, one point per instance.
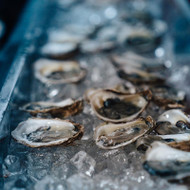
[(131, 123)]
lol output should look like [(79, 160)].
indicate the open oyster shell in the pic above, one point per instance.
[(58, 72), (61, 109), (36, 132), (134, 60), (57, 50), (168, 97), (139, 76), (173, 121), (111, 136), (114, 106), (166, 161)]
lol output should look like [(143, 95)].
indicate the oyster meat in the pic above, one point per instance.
[(173, 121), (114, 106), (61, 109), (111, 136), (36, 132), (166, 161), (58, 72)]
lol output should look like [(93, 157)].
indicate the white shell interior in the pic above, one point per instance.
[(160, 152), (32, 124), (173, 116)]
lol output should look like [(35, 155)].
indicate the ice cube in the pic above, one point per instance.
[(84, 163), (49, 183), (12, 166), (80, 181), (117, 163)]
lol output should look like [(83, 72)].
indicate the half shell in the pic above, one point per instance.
[(58, 72), (166, 161), (61, 109), (173, 121), (113, 106), (57, 50), (168, 97), (111, 136), (36, 132)]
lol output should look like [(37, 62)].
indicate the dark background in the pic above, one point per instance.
[(10, 10)]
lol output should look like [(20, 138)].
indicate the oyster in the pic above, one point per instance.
[(142, 41), (166, 161), (57, 50), (92, 46), (126, 87), (58, 72), (114, 106), (139, 76), (61, 109), (36, 132), (168, 97), (139, 62), (60, 36), (172, 122), (111, 136)]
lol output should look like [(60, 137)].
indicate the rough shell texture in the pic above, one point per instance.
[(36, 132), (61, 109), (111, 136)]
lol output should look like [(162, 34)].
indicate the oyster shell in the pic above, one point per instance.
[(61, 109), (144, 142), (168, 97), (126, 87), (139, 62), (139, 76), (60, 36), (111, 136), (36, 132), (166, 161), (113, 106), (182, 145), (142, 40), (173, 140), (57, 50), (172, 122), (58, 72), (92, 46)]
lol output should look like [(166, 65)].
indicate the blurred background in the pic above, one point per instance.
[(11, 12)]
